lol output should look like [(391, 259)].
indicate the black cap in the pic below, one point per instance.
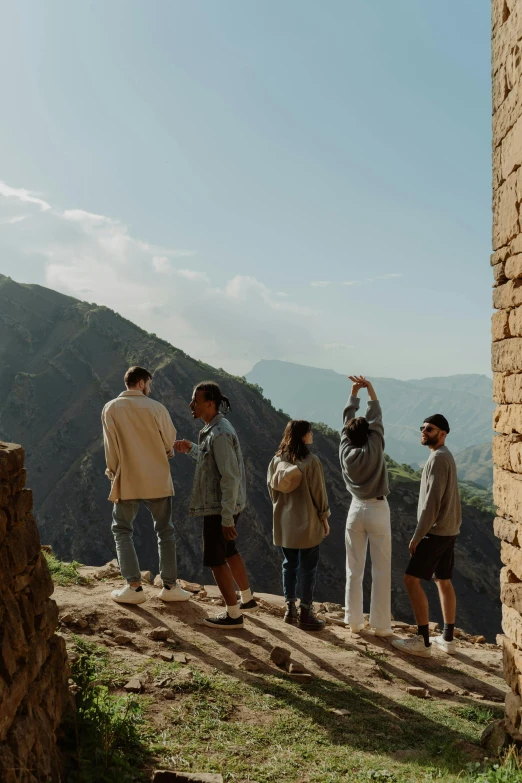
[(439, 421)]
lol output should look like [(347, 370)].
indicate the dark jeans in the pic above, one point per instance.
[(300, 563)]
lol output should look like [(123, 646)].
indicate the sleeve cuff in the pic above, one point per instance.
[(227, 522)]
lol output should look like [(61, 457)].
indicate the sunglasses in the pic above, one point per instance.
[(427, 428)]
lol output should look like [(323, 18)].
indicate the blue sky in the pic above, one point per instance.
[(296, 180)]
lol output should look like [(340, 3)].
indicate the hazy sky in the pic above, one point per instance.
[(296, 180)]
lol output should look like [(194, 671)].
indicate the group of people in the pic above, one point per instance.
[(140, 438)]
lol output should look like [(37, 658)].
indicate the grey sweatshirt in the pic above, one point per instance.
[(439, 512), (364, 469)]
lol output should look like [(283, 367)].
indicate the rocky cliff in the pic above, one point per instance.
[(62, 359)]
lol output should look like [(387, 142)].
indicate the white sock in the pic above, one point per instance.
[(233, 611), (246, 595)]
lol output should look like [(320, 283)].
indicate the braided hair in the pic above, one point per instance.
[(213, 394)]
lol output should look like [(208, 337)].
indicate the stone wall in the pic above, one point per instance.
[(506, 262), (33, 659)]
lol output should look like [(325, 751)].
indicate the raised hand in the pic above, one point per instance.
[(358, 383), (182, 446)]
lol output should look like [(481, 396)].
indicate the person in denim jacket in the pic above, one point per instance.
[(219, 496)]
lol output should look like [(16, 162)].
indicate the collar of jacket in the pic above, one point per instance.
[(217, 418), (131, 393)]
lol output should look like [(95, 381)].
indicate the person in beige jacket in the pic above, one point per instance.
[(138, 436), (297, 489)]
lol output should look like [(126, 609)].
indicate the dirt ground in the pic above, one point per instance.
[(472, 676)]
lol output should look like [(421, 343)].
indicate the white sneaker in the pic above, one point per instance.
[(356, 627), (176, 593), (448, 647), (413, 646), (384, 632), (129, 595)]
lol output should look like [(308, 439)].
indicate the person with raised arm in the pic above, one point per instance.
[(219, 496), (365, 474)]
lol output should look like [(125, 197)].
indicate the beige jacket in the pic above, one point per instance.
[(298, 514), (138, 434)]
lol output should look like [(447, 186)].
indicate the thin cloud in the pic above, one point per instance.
[(13, 220), (24, 195), (321, 283)]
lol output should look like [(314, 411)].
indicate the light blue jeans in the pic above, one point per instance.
[(123, 516)]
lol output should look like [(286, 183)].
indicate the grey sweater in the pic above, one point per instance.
[(364, 469), (439, 512)]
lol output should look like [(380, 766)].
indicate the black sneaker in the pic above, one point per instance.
[(252, 604), (224, 621)]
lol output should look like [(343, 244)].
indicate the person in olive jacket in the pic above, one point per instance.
[(300, 504)]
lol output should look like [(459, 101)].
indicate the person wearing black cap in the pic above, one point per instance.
[(432, 546)]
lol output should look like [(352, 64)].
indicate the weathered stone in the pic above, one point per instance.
[(512, 149), (134, 685), (501, 454), (507, 530), (500, 255), (499, 394), (250, 665), (513, 704), (295, 667), (512, 556), (508, 294), (495, 738), (421, 693), (513, 388), (512, 267), (123, 638), (507, 577), (515, 457), (512, 625), (342, 713), (500, 325), (298, 677), (512, 661), (507, 494), (166, 656), (505, 211), (280, 655), (160, 634), (508, 419), (506, 355)]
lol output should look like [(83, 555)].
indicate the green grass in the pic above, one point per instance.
[(277, 730), (479, 715), (106, 739), (508, 770), (64, 574)]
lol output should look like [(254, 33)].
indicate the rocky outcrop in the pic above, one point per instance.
[(33, 660), (507, 334)]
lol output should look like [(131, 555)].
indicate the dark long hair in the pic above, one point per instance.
[(213, 394), (357, 431), (292, 447)]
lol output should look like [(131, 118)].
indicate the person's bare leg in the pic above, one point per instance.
[(419, 601), (237, 567), (448, 600), (225, 581)]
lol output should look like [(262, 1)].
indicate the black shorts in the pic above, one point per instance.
[(216, 548), (434, 555)]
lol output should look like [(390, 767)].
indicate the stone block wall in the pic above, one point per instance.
[(33, 659), (506, 262)]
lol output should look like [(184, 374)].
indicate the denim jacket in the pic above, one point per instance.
[(219, 482)]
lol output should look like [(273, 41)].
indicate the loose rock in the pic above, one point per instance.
[(133, 686), (280, 656), (294, 667), (127, 623), (342, 713), (146, 576), (122, 638), (495, 737), (160, 634), (421, 693), (301, 677), (166, 656), (250, 665), (167, 776)]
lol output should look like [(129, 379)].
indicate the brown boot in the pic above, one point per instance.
[(291, 613), (308, 621)]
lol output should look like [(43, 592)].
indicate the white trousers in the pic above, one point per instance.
[(368, 520)]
